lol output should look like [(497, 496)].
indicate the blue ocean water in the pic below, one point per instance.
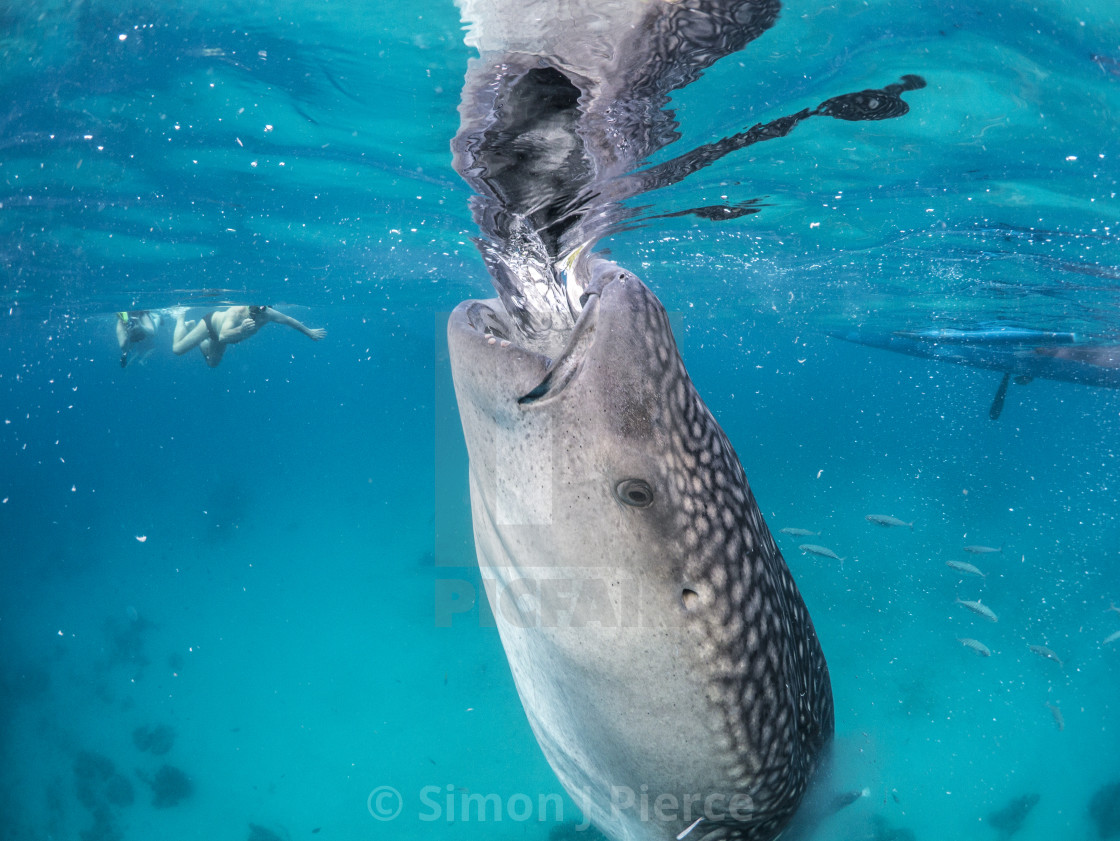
[(264, 558)]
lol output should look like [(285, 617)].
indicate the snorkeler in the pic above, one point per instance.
[(135, 328), (211, 333)]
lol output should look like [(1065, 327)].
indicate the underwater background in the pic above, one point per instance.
[(242, 602)]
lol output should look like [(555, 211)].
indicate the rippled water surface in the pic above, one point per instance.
[(260, 578)]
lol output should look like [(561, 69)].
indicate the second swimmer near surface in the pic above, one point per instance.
[(211, 334)]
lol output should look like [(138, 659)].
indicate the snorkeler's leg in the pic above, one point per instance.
[(212, 351), (188, 334), (181, 328)]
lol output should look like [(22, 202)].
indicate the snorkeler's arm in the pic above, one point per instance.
[(315, 333), (235, 325)]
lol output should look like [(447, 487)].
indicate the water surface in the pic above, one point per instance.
[(303, 508)]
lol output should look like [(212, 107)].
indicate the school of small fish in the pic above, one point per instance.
[(979, 609), (968, 569), (889, 521), (1115, 635), (1057, 713), (823, 551), (982, 550), (1043, 651), (964, 569), (976, 646)]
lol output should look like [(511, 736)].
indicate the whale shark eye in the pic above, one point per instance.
[(634, 492)]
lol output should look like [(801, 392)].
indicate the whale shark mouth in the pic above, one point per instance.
[(492, 324), (563, 369), (584, 281)]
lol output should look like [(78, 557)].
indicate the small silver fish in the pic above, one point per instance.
[(982, 550), (800, 532), (888, 520), (1057, 713), (975, 645), (961, 566), (1112, 607), (979, 609), (1111, 638), (1043, 651), (823, 551)]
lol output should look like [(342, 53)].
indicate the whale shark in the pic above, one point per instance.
[(658, 642), (1019, 354), (662, 652)]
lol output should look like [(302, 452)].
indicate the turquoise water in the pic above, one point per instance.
[(304, 508)]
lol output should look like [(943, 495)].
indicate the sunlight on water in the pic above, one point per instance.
[(243, 602)]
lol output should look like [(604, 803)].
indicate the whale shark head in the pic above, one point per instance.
[(656, 637)]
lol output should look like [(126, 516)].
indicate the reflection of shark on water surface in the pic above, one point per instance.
[(566, 103), (1018, 353), (660, 647)]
